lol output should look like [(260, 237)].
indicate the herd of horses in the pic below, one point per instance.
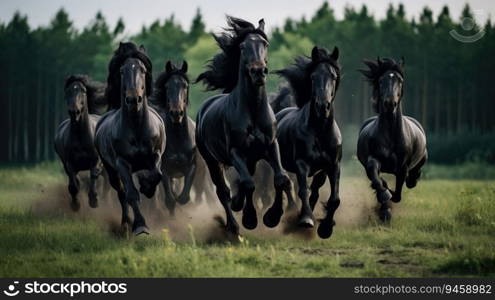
[(133, 125)]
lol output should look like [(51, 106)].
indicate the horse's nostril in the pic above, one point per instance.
[(140, 99)]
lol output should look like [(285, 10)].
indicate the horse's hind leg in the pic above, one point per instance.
[(74, 186), (93, 177), (275, 212), (306, 216), (184, 196), (132, 196), (414, 174), (382, 192), (326, 226), (169, 193)]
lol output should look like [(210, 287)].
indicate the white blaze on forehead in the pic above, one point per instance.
[(391, 75)]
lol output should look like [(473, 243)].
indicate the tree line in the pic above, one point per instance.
[(448, 84)]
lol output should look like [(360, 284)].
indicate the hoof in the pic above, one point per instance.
[(232, 232), (182, 200), (306, 222), (234, 238), (385, 215), (140, 230), (272, 218), (325, 229), (75, 205), (411, 183), (236, 203), (384, 196), (395, 199), (249, 220)]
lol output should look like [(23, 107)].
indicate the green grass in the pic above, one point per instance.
[(442, 228)]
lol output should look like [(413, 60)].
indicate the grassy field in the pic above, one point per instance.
[(441, 228)]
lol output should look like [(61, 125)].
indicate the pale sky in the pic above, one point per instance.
[(135, 13)]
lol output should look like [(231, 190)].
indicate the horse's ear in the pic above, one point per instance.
[(141, 48), (335, 54), (184, 66), (315, 53), (401, 62), (378, 60), (261, 25), (169, 67)]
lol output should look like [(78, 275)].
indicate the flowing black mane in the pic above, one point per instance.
[(299, 74), (376, 69), (125, 51), (222, 70), (159, 91), (95, 92)]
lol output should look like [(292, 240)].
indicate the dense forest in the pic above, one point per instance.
[(449, 84)]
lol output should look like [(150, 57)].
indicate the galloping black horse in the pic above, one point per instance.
[(310, 140), (180, 159), (390, 143), (131, 137), (74, 140), (238, 128), (264, 175)]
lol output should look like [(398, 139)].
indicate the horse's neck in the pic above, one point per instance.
[(391, 124), (250, 97), (136, 120), (82, 128), (181, 128), (314, 122)]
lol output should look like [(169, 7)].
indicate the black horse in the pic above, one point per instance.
[(390, 143), (131, 137), (74, 140), (310, 140), (238, 128), (171, 98)]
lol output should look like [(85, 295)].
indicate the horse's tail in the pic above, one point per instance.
[(276, 99)]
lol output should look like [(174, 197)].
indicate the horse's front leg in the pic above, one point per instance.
[(169, 193), (93, 177), (379, 185), (400, 177), (246, 189), (306, 216), (326, 226), (281, 180), (149, 182), (132, 195), (188, 181), (73, 186)]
